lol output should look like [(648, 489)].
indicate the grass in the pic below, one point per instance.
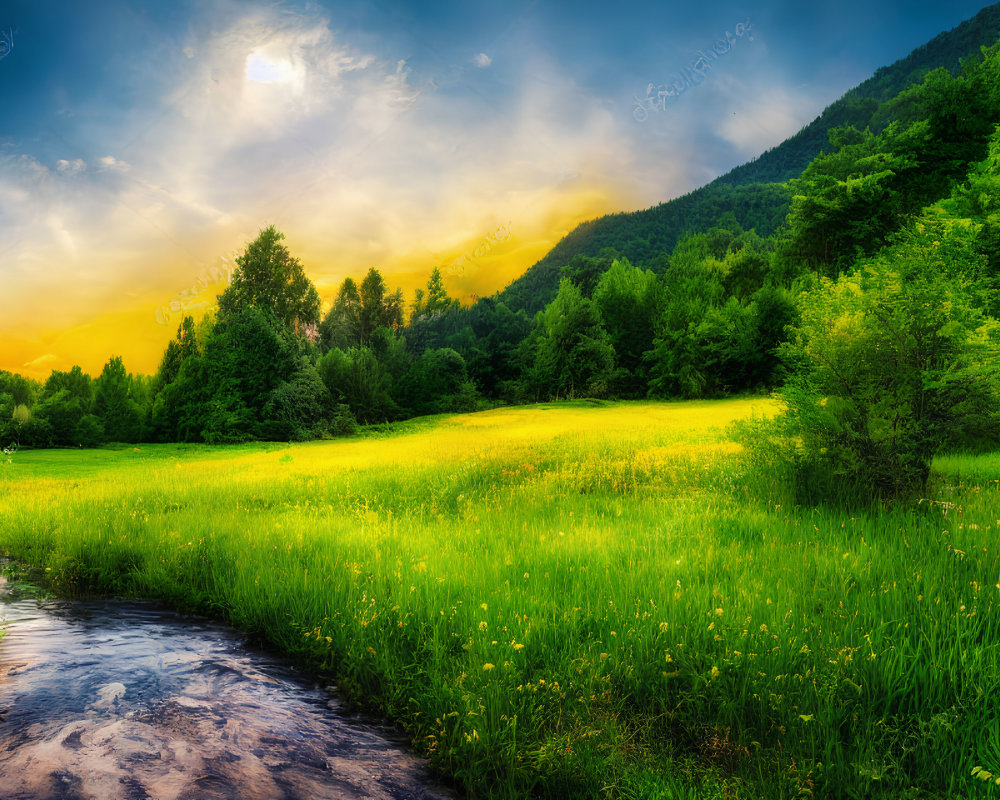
[(570, 599)]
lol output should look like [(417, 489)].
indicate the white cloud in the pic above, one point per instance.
[(113, 164), (74, 167), (482, 60), (282, 121)]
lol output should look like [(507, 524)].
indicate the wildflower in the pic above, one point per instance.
[(718, 612), (518, 646), (483, 626), (487, 667), (715, 672)]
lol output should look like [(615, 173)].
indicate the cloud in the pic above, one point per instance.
[(482, 60), (74, 167), (278, 118), (112, 163), (757, 121), (48, 358)]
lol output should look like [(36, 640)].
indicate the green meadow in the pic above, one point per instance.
[(570, 600)]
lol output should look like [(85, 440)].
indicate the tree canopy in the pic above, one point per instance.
[(268, 277)]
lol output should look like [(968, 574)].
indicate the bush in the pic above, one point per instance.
[(888, 364)]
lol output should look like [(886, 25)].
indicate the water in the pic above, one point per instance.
[(125, 701)]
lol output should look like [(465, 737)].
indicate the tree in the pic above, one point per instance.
[(846, 202), (66, 398), (629, 302), (438, 382), (585, 271), (888, 363), (299, 408), (183, 345), (435, 300), (268, 277), (379, 308), (119, 414), (569, 353), (341, 327), (357, 379)]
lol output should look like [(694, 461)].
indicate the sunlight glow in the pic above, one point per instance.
[(262, 69)]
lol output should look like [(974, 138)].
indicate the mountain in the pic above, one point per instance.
[(752, 194), (859, 106)]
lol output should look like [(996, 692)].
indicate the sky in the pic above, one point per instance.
[(143, 144)]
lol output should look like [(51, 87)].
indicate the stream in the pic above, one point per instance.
[(117, 700)]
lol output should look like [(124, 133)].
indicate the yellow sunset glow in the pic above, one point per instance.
[(138, 326)]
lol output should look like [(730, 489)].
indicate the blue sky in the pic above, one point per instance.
[(144, 143)]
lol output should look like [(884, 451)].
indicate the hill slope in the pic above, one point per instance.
[(751, 194)]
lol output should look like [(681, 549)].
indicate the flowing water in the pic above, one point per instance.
[(127, 701)]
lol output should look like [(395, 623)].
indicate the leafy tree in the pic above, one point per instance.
[(978, 200), (438, 382), (491, 347), (585, 271), (66, 398), (119, 414), (846, 202), (569, 354), (357, 312), (888, 362), (90, 431), (56, 420), (181, 408), (17, 395), (249, 355), (250, 370), (77, 384), (22, 391), (629, 301), (390, 348), (182, 346), (435, 300), (341, 327), (379, 307), (298, 409), (357, 379), (268, 277)]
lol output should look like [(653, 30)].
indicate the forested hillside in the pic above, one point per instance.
[(859, 106), (645, 236)]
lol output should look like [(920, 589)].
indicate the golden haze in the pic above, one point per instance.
[(137, 327)]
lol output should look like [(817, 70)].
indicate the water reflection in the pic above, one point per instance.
[(116, 701)]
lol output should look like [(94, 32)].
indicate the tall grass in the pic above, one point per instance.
[(571, 600)]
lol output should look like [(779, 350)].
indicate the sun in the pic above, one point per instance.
[(261, 68)]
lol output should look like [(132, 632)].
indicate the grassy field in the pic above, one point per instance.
[(571, 600)]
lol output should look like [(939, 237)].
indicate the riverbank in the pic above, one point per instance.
[(568, 600)]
